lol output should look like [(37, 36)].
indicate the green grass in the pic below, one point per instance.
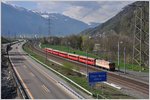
[(108, 91), (70, 66), (68, 49), (131, 67)]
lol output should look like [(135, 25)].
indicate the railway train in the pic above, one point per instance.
[(83, 59)]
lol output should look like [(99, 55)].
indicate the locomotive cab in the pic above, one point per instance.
[(112, 66)]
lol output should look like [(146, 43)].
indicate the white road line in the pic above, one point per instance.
[(50, 78), (25, 86), (24, 66), (71, 91), (42, 72), (45, 88), (32, 74), (61, 75)]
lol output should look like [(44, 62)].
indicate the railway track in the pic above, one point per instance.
[(112, 78)]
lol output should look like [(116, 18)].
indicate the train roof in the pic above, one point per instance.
[(104, 61), (49, 48), (56, 50), (62, 52), (86, 57)]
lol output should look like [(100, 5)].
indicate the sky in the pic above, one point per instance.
[(86, 11)]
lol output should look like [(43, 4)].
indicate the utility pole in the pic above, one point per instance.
[(46, 56), (118, 55), (141, 37), (49, 26), (87, 57), (49, 32), (68, 44), (87, 64), (119, 42), (124, 59)]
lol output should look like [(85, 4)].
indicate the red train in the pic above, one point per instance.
[(73, 56), (87, 60)]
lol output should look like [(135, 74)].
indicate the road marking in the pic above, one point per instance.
[(32, 74), (25, 86), (45, 88), (70, 91), (49, 78), (24, 66), (42, 72)]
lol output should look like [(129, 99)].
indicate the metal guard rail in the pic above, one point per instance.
[(19, 84)]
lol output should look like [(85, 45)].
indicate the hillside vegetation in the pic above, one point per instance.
[(122, 23), (120, 29), (103, 40)]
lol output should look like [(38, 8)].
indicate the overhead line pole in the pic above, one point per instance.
[(49, 32), (141, 37)]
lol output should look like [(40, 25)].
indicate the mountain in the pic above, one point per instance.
[(122, 23), (19, 21), (62, 24), (94, 24)]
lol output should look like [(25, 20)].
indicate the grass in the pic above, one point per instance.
[(131, 67), (68, 49), (108, 91)]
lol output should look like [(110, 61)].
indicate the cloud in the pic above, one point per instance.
[(86, 11), (51, 6), (86, 4), (97, 11)]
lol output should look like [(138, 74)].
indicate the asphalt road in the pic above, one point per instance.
[(39, 82)]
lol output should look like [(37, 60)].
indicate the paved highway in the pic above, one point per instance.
[(38, 81)]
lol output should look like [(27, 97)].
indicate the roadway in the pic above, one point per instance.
[(39, 82)]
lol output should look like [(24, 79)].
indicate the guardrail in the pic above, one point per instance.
[(72, 91), (88, 92), (18, 82), (4, 47)]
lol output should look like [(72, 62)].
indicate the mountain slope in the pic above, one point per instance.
[(122, 23), (18, 21)]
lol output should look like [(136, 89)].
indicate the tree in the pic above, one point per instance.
[(87, 43)]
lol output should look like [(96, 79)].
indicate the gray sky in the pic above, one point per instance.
[(86, 11)]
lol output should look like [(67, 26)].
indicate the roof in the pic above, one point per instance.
[(87, 57)]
